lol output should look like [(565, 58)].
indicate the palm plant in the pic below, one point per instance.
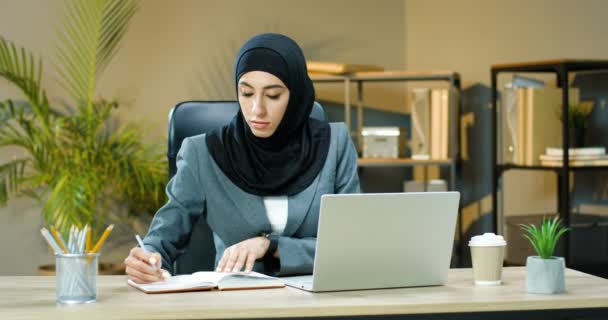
[(76, 163)]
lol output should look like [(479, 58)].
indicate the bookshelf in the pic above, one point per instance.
[(454, 88), (562, 68), (359, 78)]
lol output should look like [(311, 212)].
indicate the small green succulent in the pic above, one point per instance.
[(545, 238)]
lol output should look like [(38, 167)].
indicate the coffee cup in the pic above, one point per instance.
[(487, 254)]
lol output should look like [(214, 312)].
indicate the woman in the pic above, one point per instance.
[(258, 180)]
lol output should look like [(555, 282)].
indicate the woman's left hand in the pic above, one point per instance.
[(243, 254)]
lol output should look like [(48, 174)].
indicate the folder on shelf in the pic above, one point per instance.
[(430, 112), (420, 101)]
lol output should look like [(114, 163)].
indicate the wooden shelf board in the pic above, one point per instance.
[(400, 162)]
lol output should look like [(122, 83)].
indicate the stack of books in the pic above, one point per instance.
[(578, 157)]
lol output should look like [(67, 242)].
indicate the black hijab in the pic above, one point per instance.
[(288, 161)]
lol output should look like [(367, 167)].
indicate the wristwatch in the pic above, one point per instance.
[(271, 264)]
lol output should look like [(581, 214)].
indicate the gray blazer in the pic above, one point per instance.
[(200, 188)]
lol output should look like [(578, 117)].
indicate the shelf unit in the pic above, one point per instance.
[(359, 78), (562, 69)]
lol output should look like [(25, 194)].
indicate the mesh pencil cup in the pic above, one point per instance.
[(76, 278)]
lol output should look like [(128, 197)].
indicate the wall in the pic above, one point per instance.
[(184, 50)]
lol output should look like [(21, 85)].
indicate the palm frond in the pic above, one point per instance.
[(72, 200), (116, 18), (89, 38), (11, 174), (18, 66)]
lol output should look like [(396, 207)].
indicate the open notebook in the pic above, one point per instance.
[(206, 280)]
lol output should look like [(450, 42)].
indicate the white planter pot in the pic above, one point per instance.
[(545, 276)]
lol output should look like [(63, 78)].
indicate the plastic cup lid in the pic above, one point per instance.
[(488, 239)]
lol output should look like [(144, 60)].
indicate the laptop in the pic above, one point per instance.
[(384, 240)]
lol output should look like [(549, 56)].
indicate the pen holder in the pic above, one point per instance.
[(76, 278)]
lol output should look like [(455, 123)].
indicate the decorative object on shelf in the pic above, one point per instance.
[(578, 114), (75, 160), (383, 142), (545, 273)]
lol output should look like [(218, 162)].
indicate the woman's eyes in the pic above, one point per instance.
[(249, 94)]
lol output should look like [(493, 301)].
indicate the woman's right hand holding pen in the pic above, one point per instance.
[(143, 266)]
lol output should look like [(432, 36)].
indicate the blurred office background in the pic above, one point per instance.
[(184, 50)]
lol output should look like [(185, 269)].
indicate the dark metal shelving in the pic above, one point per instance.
[(562, 68)]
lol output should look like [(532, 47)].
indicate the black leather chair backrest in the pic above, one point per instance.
[(188, 119)]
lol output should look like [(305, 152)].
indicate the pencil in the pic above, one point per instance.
[(87, 245), (58, 239), (101, 240), (49, 239)]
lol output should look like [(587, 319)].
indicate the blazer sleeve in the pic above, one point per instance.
[(297, 254), (172, 224)]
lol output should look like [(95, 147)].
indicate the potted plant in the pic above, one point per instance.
[(75, 160), (578, 114), (545, 273)]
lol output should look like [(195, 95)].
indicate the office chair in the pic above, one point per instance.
[(188, 119)]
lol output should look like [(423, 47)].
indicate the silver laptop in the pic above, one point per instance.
[(389, 240)]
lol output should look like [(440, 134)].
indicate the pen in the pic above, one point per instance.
[(141, 244)]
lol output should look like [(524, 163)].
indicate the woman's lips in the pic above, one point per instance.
[(260, 125)]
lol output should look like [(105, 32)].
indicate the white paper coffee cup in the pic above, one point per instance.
[(487, 254)]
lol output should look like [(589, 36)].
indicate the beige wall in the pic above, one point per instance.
[(184, 50), (471, 35)]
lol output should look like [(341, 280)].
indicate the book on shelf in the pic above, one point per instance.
[(207, 280), (576, 162), (339, 68), (576, 152), (546, 157)]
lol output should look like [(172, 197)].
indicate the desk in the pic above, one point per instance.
[(34, 298)]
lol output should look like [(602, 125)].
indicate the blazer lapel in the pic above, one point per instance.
[(250, 206), (298, 207)]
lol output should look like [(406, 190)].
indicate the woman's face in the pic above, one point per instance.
[(263, 98)]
